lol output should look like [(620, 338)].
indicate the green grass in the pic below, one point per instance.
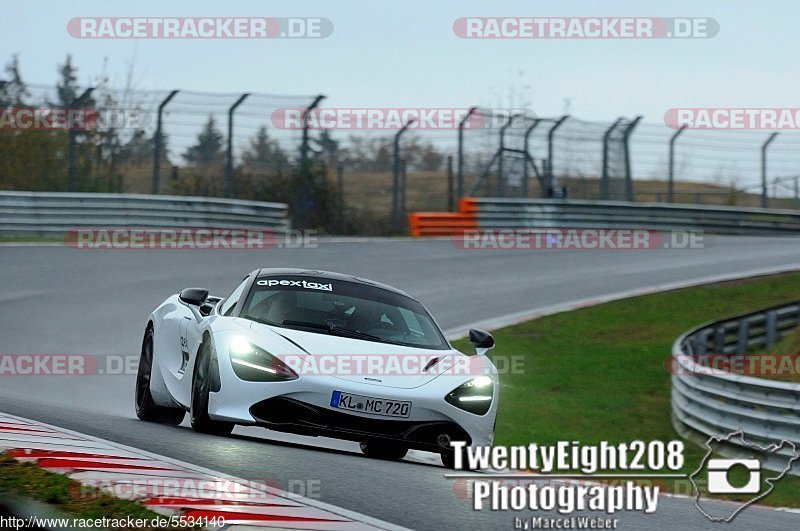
[(26, 480), (790, 346), (602, 373)]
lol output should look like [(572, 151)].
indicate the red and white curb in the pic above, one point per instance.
[(170, 487)]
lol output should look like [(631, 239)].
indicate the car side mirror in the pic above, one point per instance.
[(194, 296), (481, 340)]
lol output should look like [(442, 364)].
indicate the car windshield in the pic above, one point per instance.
[(336, 307)]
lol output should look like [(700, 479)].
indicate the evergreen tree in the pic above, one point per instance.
[(208, 150), (67, 87), (13, 92), (264, 155), (329, 148)]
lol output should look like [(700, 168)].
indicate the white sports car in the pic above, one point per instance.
[(316, 353)]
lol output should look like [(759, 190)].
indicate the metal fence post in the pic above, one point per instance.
[(158, 141), (304, 142), (626, 143), (460, 169), (528, 158), (671, 182), (396, 175), (72, 163), (550, 135), (301, 213), (450, 185), (604, 194), (340, 193), (403, 187), (764, 191), (500, 186), (229, 157)]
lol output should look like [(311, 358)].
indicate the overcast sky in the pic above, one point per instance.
[(384, 53)]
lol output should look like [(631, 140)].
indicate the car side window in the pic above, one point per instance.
[(230, 303)]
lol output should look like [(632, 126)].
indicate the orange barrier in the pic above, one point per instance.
[(468, 205), (440, 223)]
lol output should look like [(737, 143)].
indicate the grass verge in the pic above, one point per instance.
[(27, 480), (602, 374), (789, 348)]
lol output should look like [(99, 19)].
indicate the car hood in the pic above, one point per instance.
[(366, 362)]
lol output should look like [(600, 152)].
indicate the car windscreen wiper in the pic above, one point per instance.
[(305, 324), (332, 329), (338, 330)]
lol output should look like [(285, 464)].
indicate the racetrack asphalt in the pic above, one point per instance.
[(69, 301)]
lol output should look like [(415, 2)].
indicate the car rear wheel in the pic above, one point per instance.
[(383, 449), (201, 383), (146, 408)]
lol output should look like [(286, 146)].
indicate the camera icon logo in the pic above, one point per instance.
[(745, 477), (719, 481)]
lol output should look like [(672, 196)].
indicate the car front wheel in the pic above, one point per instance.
[(201, 384), (146, 408)]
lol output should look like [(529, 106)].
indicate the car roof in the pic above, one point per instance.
[(316, 273)]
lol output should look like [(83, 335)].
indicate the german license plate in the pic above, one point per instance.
[(369, 404)]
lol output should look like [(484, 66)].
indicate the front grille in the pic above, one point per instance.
[(287, 414)]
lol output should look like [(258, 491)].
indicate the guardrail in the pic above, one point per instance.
[(500, 213), (709, 402), (51, 213)]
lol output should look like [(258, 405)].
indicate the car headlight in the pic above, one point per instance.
[(474, 396), (255, 364)]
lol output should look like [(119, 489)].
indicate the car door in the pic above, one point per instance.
[(173, 347), (181, 352)]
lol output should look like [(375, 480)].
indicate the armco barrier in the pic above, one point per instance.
[(709, 402), (498, 213), (52, 213)]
